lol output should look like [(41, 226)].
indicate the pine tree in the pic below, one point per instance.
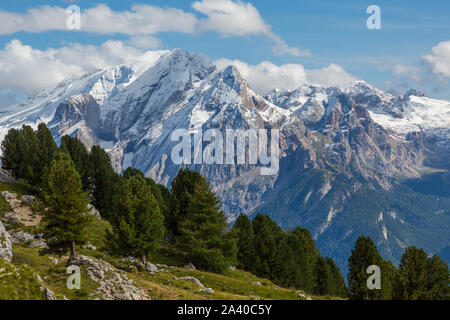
[(182, 187), (138, 228), (438, 279), (245, 243), (13, 152), (267, 237), (337, 286), (413, 278), (45, 152), (283, 272), (364, 255), (28, 154), (80, 156), (322, 278), (105, 182), (161, 193), (63, 222), (31, 161), (201, 225), (305, 255)]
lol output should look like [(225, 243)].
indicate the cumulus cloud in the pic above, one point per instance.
[(430, 71), (142, 19), (266, 75), (230, 17), (439, 59), (145, 42), (31, 70), (240, 19), (227, 17), (332, 75)]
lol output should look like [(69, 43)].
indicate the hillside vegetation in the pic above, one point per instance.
[(19, 279)]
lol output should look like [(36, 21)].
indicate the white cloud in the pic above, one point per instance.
[(333, 75), (145, 42), (32, 70), (227, 17), (240, 19), (266, 75), (230, 17), (428, 73), (141, 20), (410, 72), (439, 59)]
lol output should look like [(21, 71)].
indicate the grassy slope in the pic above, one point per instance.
[(231, 285)]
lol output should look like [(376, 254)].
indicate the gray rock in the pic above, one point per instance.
[(5, 244), (8, 195), (28, 200), (6, 176), (9, 217), (90, 246), (207, 290), (113, 284), (40, 243), (49, 295), (193, 280), (303, 295), (21, 236), (190, 266), (151, 267), (257, 283)]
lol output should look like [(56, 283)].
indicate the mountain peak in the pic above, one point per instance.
[(413, 92)]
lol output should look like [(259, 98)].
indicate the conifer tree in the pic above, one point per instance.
[(283, 269), (160, 192), (322, 277), (267, 236), (245, 243), (13, 152), (201, 225), (138, 228), (438, 279), (31, 158), (420, 277), (64, 223), (337, 286), (182, 186), (364, 255), (28, 153), (305, 255), (105, 182), (80, 156), (45, 151)]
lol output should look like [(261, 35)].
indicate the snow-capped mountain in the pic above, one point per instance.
[(412, 112), (337, 144)]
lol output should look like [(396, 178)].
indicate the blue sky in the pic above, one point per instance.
[(334, 32)]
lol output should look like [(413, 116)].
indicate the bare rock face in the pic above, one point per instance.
[(21, 236), (113, 283), (5, 244)]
